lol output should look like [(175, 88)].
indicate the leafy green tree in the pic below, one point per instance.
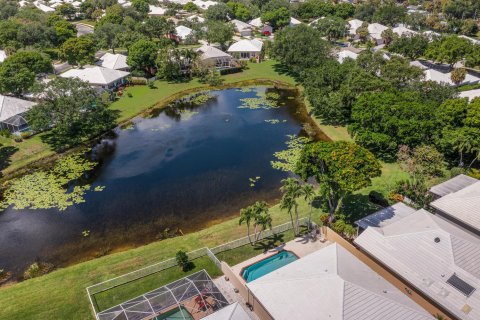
[(363, 32), (388, 36), (218, 12), (317, 8), (74, 109), (412, 46), (113, 14), (452, 113), (174, 64), (339, 168), (8, 33), (7, 9), (64, 31), (219, 32), (239, 11), (190, 7), (142, 55), (399, 73), (469, 27), (365, 10), (449, 49), (292, 190), (333, 28), (157, 27), (141, 6), (66, 10), (107, 35), (344, 10), (389, 14), (15, 81), (78, 51), (277, 18), (422, 163), (17, 72), (300, 47)]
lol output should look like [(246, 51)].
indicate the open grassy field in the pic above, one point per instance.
[(20, 154)]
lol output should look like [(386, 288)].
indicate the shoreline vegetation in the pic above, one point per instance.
[(63, 290)]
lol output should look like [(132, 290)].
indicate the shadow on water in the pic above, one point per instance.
[(175, 171)]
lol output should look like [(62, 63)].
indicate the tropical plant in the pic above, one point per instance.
[(292, 190), (458, 75), (308, 192), (183, 260), (257, 214)]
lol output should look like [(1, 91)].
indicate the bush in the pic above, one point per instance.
[(151, 84), (138, 80), (129, 95), (339, 226), (37, 269), (5, 133), (349, 231), (183, 261), (26, 134), (324, 219)]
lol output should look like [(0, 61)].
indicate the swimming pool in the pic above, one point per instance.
[(175, 314), (265, 266)]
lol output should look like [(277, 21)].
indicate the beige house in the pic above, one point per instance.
[(213, 57)]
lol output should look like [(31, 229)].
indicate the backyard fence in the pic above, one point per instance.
[(166, 264)]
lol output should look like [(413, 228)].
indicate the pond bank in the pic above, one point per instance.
[(186, 168)]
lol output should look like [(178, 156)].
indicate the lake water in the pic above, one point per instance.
[(174, 170)]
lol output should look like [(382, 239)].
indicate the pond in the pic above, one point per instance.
[(176, 171)]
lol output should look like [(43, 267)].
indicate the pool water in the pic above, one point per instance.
[(175, 314), (265, 266)]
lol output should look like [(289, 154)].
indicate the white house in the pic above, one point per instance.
[(262, 27), (156, 11), (294, 22), (12, 111), (113, 61), (331, 283), (242, 28), (3, 56), (204, 4), (196, 18), (183, 32), (346, 54), (213, 57), (99, 77), (354, 24), (246, 49), (435, 256), (446, 77), (470, 94), (404, 31), (43, 7), (375, 31)]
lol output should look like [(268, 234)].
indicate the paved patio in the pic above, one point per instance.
[(300, 246)]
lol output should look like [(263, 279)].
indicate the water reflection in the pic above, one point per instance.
[(167, 171)]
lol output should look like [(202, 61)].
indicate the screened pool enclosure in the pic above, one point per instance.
[(192, 297)]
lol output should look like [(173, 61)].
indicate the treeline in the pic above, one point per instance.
[(384, 102)]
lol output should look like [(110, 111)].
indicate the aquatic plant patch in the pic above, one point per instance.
[(287, 159), (52, 188)]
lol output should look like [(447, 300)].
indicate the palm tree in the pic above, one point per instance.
[(246, 216), (263, 219), (291, 191), (309, 194)]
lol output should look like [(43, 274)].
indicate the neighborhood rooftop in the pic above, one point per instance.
[(96, 75), (427, 251), (331, 283), (385, 216), (455, 184), (462, 205)]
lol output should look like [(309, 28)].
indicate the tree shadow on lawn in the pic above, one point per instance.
[(358, 206), (284, 70), (6, 154), (269, 243)]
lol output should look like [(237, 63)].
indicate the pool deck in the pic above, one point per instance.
[(300, 246)]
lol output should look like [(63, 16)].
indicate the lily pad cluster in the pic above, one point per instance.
[(287, 159), (263, 100), (54, 188)]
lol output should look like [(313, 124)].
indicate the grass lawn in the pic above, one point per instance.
[(117, 295), (61, 294), (34, 149)]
